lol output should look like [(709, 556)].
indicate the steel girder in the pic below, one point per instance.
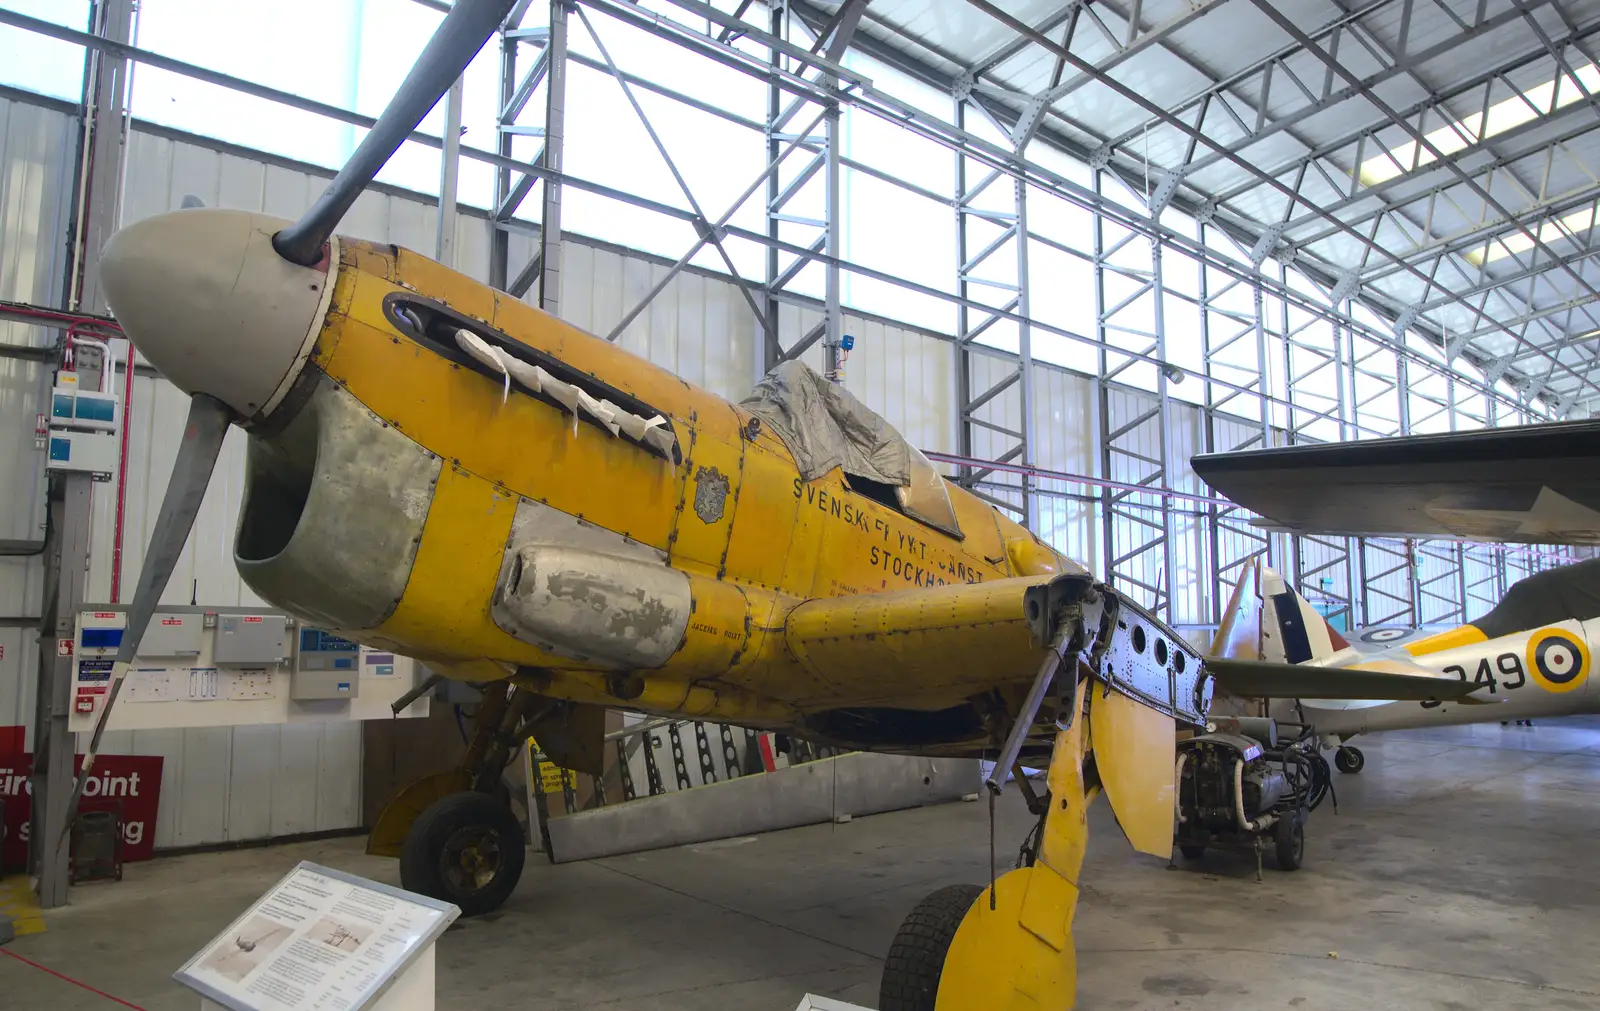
[(1347, 26), (1108, 154)]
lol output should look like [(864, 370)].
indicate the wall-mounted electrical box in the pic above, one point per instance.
[(173, 633), (325, 667), (82, 426), (100, 633), (230, 666), (82, 452), (249, 640), (86, 410)]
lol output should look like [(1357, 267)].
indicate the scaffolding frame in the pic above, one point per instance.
[(1271, 349)]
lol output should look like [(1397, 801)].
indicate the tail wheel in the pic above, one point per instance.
[(1349, 760), (1290, 842), (916, 958), (466, 848)]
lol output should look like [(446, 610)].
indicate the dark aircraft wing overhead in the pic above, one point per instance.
[(1536, 484)]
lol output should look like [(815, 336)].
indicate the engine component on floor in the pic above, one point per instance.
[(1236, 787)]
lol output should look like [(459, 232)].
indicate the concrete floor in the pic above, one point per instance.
[(1461, 873)]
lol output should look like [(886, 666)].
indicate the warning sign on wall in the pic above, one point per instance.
[(130, 784)]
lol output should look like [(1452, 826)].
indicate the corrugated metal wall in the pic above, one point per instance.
[(35, 143), (1066, 426)]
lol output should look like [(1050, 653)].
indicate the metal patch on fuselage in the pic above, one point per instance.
[(588, 593), (710, 494)]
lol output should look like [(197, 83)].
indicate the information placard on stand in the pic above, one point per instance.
[(324, 940)]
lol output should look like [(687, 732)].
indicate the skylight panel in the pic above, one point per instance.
[(1458, 135)]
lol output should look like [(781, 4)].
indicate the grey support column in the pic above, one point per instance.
[(554, 129), (66, 558), (95, 218)]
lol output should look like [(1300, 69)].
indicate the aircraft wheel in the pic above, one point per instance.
[(916, 957), (1350, 760), (466, 848), (1290, 841), (1192, 851)]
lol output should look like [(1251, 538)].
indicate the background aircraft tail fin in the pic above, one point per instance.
[(1239, 635), (1292, 630)]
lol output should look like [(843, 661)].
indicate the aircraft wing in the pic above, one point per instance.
[(1531, 484), (938, 646), (935, 646), (1378, 680)]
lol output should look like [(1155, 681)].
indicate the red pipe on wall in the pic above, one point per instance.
[(122, 478)]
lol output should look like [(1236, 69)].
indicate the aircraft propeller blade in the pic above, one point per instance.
[(460, 35), (203, 433)]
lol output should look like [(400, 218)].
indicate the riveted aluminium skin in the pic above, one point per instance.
[(777, 541)]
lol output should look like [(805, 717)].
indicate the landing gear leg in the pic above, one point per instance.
[(466, 846), (1349, 760), (1014, 940)]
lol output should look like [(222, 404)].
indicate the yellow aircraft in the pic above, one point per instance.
[(440, 469)]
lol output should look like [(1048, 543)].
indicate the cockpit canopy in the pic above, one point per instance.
[(825, 427)]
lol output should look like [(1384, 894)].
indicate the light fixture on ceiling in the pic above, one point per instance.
[(1530, 104), (1522, 240)]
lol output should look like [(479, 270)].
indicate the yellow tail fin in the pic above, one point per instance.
[(1239, 635)]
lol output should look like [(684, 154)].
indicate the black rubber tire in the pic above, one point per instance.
[(1290, 840), (916, 957), (1349, 760), (424, 856), (1192, 851)]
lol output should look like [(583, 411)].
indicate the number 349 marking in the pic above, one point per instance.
[(1507, 665)]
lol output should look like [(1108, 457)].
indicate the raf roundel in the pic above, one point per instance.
[(1380, 635), (1558, 659)]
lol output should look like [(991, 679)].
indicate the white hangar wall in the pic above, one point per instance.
[(35, 142), (231, 784)]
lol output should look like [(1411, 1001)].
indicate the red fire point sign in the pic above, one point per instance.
[(131, 782)]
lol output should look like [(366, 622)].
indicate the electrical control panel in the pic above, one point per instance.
[(173, 633), (85, 452), (326, 666), (250, 640), (100, 633), (81, 429), (85, 410), (230, 666)]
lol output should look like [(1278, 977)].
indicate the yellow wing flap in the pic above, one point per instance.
[(923, 648)]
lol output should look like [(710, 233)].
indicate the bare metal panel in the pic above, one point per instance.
[(363, 490), (595, 598)]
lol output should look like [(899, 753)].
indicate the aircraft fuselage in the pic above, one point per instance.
[(407, 494), (1541, 672)]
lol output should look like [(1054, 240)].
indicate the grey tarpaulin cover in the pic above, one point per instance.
[(825, 427), (1546, 598)]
